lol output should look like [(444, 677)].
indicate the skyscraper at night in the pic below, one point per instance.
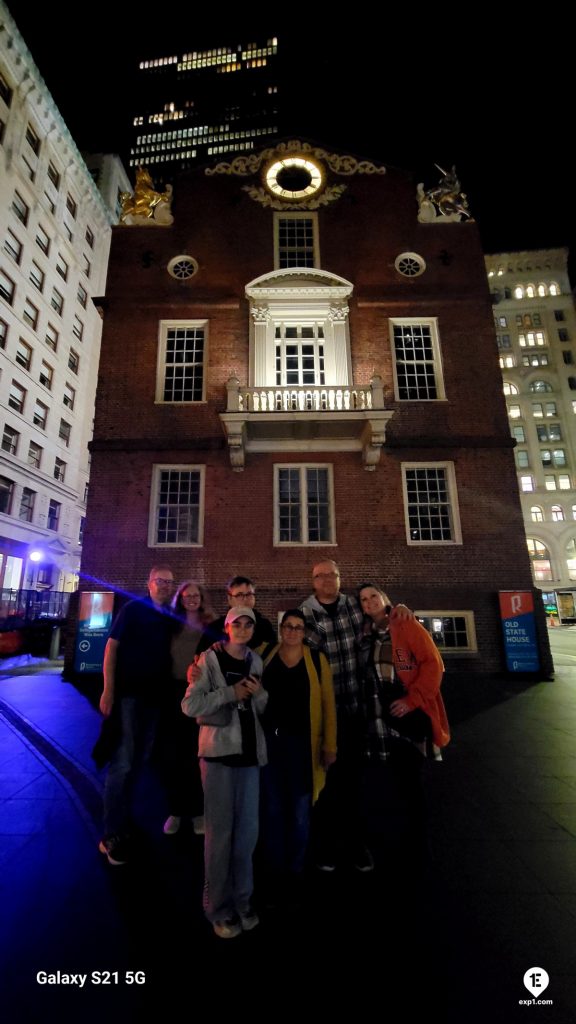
[(204, 103)]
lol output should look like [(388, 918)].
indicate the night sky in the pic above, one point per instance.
[(495, 103)]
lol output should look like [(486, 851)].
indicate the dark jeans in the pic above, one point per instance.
[(176, 756), (338, 826), (138, 728), (394, 805), (285, 804)]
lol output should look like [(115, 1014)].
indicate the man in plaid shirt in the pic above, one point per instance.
[(334, 626)]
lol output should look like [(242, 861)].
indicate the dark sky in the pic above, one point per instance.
[(495, 100)]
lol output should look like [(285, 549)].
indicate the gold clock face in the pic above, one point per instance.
[(293, 178)]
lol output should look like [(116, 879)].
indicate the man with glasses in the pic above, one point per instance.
[(241, 593), (137, 666), (334, 624)]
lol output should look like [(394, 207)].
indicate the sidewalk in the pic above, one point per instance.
[(499, 897)]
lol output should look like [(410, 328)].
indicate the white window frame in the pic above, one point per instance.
[(449, 469), (288, 215), (432, 323), (163, 328), (157, 471), (472, 645), (302, 467)]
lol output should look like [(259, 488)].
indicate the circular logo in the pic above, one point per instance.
[(84, 645), (536, 980)]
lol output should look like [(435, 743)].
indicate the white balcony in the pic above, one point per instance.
[(305, 419)]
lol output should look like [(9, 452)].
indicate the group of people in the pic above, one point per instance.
[(347, 694)]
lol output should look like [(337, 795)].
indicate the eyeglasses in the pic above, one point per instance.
[(243, 594), (326, 575), (293, 629), (161, 582)]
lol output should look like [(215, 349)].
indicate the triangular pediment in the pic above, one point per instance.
[(298, 280)]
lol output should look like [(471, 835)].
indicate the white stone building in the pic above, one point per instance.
[(54, 245), (535, 325)]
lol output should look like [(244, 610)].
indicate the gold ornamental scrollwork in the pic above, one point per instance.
[(346, 165), (260, 195)]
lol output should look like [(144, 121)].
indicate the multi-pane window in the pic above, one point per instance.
[(42, 239), (51, 337), (86, 266), (16, 396), (557, 513), (7, 287), (295, 241), (564, 482), (532, 339), (32, 139), (299, 354), (3, 333), (177, 506), (34, 454), (57, 301), (540, 409), (82, 296), (417, 360), (20, 208), (182, 362), (503, 341), (13, 246), (303, 505), (69, 396), (563, 334), (430, 504), (527, 484), (6, 494), (77, 328), (506, 362), (537, 514), (46, 374), (559, 316), (54, 175), (71, 205), (450, 631), (62, 267), (522, 459), (53, 515), (59, 470), (549, 432), (518, 434), (30, 314), (37, 276), (26, 511), (567, 358), (540, 385), (23, 354), (514, 412), (40, 414), (509, 389), (535, 359), (64, 432), (540, 557), (10, 439), (73, 361)]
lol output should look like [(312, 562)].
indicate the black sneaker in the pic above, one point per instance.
[(115, 849)]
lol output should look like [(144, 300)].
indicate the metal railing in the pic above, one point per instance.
[(20, 607)]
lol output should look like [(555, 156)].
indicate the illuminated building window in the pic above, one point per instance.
[(296, 240), (549, 432), (303, 505), (554, 289), (451, 631), (540, 558), (417, 362), (518, 292), (550, 482), (542, 290), (536, 514), (177, 506), (564, 482), (181, 354), (522, 460), (299, 354), (535, 359), (527, 484), (514, 412), (509, 389), (430, 503), (518, 434), (530, 291), (557, 513), (507, 362), (540, 385), (532, 339), (547, 409)]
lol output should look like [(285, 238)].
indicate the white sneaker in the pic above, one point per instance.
[(198, 825), (172, 825)]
